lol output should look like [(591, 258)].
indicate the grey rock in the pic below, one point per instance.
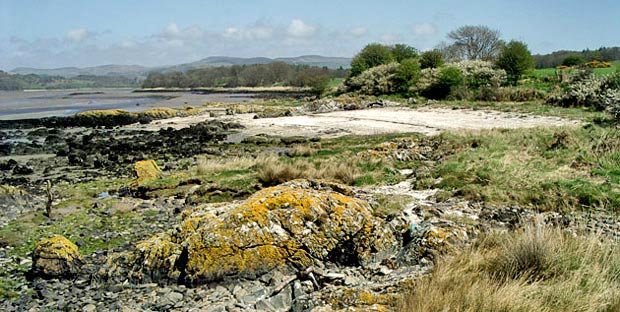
[(89, 308), (174, 296)]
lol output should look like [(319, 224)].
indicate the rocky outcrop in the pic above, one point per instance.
[(293, 225), (55, 257), (146, 171)]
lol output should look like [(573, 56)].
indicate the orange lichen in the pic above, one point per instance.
[(146, 170)]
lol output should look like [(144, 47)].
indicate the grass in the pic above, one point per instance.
[(543, 168), (550, 72), (531, 107), (535, 269)]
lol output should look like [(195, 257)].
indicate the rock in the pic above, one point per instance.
[(297, 223), (89, 308), (55, 257), (146, 171)]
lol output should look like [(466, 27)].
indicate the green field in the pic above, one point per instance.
[(545, 72)]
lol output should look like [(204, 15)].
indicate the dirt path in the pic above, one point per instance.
[(374, 121)]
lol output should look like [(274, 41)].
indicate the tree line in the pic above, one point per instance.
[(10, 82), (557, 58), (259, 75)]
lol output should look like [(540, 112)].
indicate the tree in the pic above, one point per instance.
[(574, 60), (431, 59), (515, 58), (372, 55), (402, 52), (476, 42)]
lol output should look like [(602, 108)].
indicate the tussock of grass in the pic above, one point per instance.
[(537, 269), (544, 168), (206, 166), (271, 171)]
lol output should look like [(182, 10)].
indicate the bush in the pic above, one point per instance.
[(588, 90), (573, 60), (431, 59), (481, 74), (375, 81), (372, 55), (407, 75), (449, 78)]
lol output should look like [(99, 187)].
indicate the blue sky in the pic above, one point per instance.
[(86, 33)]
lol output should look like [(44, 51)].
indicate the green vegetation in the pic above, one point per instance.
[(535, 269), (544, 168), (555, 59), (32, 81), (516, 60), (260, 75), (431, 59)]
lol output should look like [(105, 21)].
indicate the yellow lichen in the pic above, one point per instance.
[(146, 171), (292, 223), (57, 247)]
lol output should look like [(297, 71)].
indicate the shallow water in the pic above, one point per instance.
[(45, 103)]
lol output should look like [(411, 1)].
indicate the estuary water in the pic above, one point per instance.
[(45, 103)]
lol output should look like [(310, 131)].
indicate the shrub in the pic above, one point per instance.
[(407, 74), (403, 52), (375, 81), (573, 60), (431, 59), (478, 74), (372, 55), (588, 90), (449, 78)]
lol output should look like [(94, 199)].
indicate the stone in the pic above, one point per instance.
[(89, 308), (56, 257), (146, 171), (295, 223)]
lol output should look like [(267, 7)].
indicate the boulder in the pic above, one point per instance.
[(55, 257), (295, 224), (146, 171)]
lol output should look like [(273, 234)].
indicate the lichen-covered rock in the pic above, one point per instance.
[(146, 170), (55, 257), (293, 224)]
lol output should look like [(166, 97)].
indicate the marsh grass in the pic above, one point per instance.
[(544, 168), (535, 269)]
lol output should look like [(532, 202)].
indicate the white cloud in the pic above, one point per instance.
[(424, 29), (258, 31), (77, 34), (298, 28), (171, 30), (358, 31), (390, 38)]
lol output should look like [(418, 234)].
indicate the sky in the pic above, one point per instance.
[(62, 33)]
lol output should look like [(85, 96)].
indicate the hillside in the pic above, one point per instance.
[(136, 71)]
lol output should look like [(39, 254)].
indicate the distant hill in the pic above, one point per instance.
[(213, 61), (140, 72), (129, 71)]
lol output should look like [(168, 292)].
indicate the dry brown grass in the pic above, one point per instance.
[(272, 171), (213, 165), (537, 269)]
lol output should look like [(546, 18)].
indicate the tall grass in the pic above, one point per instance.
[(543, 168), (536, 269)]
